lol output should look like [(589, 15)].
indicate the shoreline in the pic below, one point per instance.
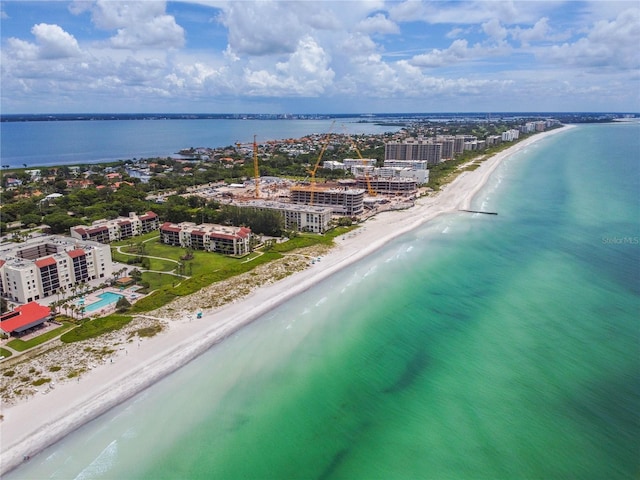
[(37, 422)]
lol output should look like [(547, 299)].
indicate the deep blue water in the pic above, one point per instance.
[(72, 142), (475, 347)]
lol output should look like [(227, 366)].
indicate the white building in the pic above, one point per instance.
[(333, 165), (349, 163), (41, 267), (305, 218), (207, 236), (412, 164), (419, 176), (510, 135), (107, 231), (342, 201)]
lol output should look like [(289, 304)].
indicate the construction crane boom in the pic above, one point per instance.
[(256, 169), (313, 171), (370, 189)]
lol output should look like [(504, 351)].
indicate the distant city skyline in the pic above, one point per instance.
[(209, 56)]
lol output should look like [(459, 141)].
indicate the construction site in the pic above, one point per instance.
[(310, 204)]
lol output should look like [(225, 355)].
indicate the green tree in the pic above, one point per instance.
[(122, 305), (60, 222), (31, 218), (136, 275)]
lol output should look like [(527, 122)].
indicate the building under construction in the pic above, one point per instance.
[(343, 201), (388, 186)]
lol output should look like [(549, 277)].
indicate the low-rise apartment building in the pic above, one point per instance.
[(207, 236), (305, 218), (121, 228)]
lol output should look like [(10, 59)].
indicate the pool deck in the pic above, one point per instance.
[(129, 293)]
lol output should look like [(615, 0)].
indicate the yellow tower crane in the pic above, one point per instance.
[(312, 172), (370, 189), (256, 169)]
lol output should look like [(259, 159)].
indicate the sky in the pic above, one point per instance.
[(356, 56)]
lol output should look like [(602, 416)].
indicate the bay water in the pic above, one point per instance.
[(49, 143), (475, 347)]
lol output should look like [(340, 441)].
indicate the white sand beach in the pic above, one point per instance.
[(36, 422)]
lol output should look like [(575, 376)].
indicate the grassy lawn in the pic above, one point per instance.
[(159, 280), (162, 265), (95, 328), (5, 353), (207, 269), (204, 269), (22, 345), (154, 248)]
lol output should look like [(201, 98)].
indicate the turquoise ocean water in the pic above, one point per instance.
[(476, 347)]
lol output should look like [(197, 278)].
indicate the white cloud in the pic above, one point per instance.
[(467, 12), (52, 42), (456, 52), (378, 24), (305, 73), (455, 33), (330, 51), (261, 28), (459, 51), (139, 24), (540, 32), (494, 30), (610, 44), (22, 50)]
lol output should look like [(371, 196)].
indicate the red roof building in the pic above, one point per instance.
[(24, 317), (45, 262), (78, 252)]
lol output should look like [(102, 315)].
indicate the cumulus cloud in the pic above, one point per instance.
[(378, 24), (325, 50), (610, 44), (458, 52), (262, 28), (494, 29), (52, 42), (538, 33), (138, 24), (306, 73)]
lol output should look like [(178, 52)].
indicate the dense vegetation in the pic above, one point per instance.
[(89, 194)]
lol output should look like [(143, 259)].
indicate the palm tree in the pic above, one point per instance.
[(66, 308), (61, 292)]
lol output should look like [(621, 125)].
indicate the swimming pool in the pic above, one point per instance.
[(106, 299)]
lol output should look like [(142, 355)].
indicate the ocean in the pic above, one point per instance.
[(49, 143), (474, 347)]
